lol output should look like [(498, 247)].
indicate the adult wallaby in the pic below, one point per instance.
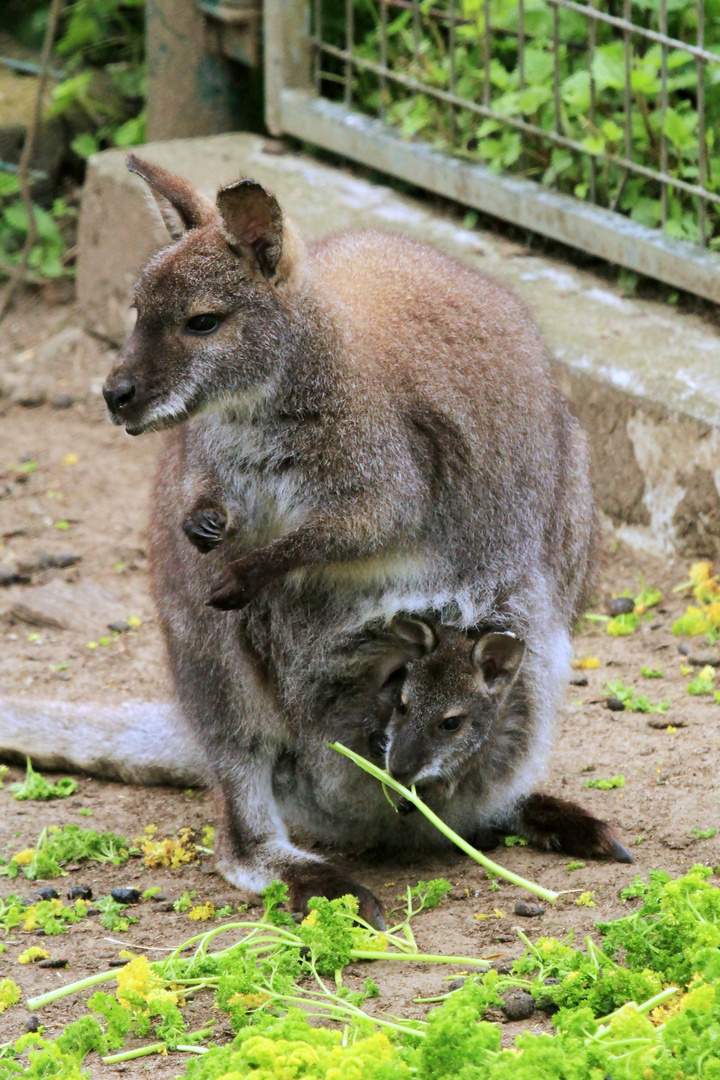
[(382, 430), (436, 729)]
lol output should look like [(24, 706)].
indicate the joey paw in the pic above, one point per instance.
[(205, 528)]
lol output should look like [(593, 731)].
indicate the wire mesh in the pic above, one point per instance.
[(616, 102)]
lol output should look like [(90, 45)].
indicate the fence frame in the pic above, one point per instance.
[(293, 107)]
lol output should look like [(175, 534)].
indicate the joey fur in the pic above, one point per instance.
[(361, 427)]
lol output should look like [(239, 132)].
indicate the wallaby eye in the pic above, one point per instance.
[(401, 708), (202, 324), (451, 723)]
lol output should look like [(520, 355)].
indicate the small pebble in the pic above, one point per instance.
[(165, 905), (32, 399), (32, 1023), (117, 962), (578, 682), (62, 401), (92, 911), (528, 910), (125, 896), (48, 893), (456, 984), (502, 966), (119, 626), (80, 892), (160, 896), (518, 1005), (621, 605), (615, 704), (54, 962)]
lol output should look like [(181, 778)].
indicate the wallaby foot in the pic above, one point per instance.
[(560, 825), (205, 527), (325, 880)]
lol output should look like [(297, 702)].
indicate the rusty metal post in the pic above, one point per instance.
[(191, 90)]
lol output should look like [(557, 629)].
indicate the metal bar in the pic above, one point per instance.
[(453, 70), (522, 125), (581, 225), (317, 36), (702, 138), (663, 110), (556, 71), (593, 113), (628, 81), (521, 43), (641, 31), (487, 43), (349, 42), (384, 98)]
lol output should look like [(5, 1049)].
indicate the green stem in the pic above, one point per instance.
[(71, 988), (157, 1048), (429, 958), (416, 801)]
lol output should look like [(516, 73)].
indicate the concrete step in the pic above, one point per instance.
[(644, 378)]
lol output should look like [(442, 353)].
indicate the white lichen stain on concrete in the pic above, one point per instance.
[(664, 450), (610, 299)]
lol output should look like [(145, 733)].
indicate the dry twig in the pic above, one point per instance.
[(19, 273)]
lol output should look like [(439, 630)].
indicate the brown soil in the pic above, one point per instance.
[(103, 496)]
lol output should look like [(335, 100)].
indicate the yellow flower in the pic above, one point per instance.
[(587, 663), (586, 899), (9, 994), (137, 977), (23, 858), (202, 912), (32, 954), (310, 919)]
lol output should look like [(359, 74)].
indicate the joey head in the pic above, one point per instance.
[(448, 701)]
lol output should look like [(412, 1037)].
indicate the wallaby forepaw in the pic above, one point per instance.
[(231, 593), (205, 528)]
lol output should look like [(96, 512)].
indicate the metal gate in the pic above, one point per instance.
[(594, 123)]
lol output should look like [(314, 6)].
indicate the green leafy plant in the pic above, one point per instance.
[(35, 786), (635, 702), (606, 784)]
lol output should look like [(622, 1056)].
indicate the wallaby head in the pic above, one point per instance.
[(449, 699), (209, 306)]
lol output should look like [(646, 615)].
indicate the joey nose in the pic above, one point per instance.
[(118, 395)]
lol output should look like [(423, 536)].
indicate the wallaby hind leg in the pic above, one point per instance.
[(560, 825), (248, 859)]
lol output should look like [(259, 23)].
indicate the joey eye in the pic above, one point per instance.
[(450, 724), (401, 708), (202, 324)]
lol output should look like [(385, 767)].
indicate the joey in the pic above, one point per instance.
[(355, 428)]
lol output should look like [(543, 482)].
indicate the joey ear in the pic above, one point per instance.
[(252, 216), (181, 205), (415, 632), (498, 658)]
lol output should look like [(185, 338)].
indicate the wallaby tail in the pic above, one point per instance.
[(140, 742)]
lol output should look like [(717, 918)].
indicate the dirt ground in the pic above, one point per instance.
[(62, 464)]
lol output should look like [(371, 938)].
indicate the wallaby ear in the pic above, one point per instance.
[(498, 657), (252, 216), (415, 632), (181, 205)]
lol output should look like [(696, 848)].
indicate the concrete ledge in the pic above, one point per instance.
[(645, 380)]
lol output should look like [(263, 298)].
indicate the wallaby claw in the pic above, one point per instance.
[(618, 852), (205, 528)]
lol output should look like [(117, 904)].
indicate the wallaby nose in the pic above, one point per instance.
[(119, 395)]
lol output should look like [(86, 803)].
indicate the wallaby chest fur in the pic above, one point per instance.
[(382, 429)]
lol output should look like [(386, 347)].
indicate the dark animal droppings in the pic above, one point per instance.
[(528, 910), (125, 896), (621, 605), (615, 704), (518, 1005), (80, 892), (48, 893)]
